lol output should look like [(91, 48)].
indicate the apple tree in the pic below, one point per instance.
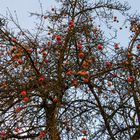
[(66, 80)]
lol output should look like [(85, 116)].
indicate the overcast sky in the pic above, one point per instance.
[(23, 7)]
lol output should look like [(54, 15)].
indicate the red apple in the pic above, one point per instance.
[(30, 51), (116, 46), (113, 91), (80, 46), (70, 72), (41, 79), (108, 64), (14, 39), (85, 64), (74, 82), (83, 73), (20, 61), (130, 55), (18, 109), (45, 17), (16, 130), (109, 84), (60, 42), (14, 48), (71, 24), (114, 75), (49, 43), (42, 135), (46, 61), (130, 79), (84, 132), (83, 139), (3, 133), (138, 47), (24, 93), (86, 80), (100, 47), (44, 54), (89, 61), (26, 99), (55, 100), (58, 38), (81, 54)]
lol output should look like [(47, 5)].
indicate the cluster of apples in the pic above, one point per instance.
[(84, 74), (71, 24), (17, 53), (86, 63), (24, 95), (59, 40), (4, 133), (85, 133)]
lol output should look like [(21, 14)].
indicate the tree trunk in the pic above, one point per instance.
[(52, 125), (136, 135)]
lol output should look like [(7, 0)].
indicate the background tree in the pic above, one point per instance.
[(62, 81)]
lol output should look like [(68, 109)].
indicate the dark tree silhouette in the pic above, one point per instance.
[(67, 81)]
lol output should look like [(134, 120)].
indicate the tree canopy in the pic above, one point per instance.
[(67, 80)]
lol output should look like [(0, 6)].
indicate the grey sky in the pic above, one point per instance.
[(23, 7)]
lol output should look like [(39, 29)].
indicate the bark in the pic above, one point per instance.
[(136, 135), (52, 125)]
